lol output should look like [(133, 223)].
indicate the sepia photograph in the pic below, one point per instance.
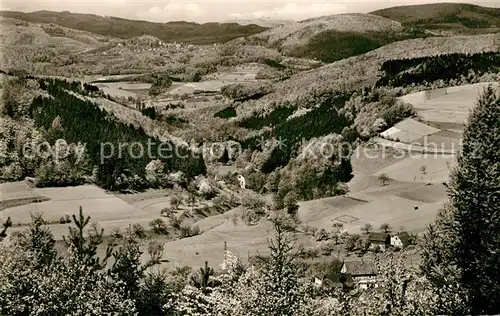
[(249, 158)]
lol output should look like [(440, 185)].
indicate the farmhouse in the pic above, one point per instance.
[(360, 273), (400, 240), (325, 282), (380, 240)]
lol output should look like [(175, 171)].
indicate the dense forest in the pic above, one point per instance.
[(330, 46), (273, 118), (444, 15), (322, 120), (82, 121), (416, 71)]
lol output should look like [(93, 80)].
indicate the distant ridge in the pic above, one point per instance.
[(179, 31), (268, 23), (458, 14)]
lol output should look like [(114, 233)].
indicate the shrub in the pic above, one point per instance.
[(160, 82), (321, 235), (328, 247), (251, 217), (167, 211), (175, 222), (189, 231), (226, 113), (150, 112), (192, 198), (65, 219), (175, 201), (273, 63), (352, 242), (116, 233), (290, 203), (224, 202), (256, 181), (138, 231), (310, 253), (158, 226), (206, 190), (366, 228), (383, 178), (175, 120), (385, 227), (423, 169), (397, 113), (253, 201)]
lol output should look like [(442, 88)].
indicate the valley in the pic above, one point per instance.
[(367, 202), (298, 144)]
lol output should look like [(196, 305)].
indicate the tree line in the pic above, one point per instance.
[(446, 67)]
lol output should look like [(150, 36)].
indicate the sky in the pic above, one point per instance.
[(218, 10)]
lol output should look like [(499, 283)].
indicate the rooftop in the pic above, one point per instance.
[(359, 268), (377, 236)]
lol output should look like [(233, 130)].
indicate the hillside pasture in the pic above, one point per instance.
[(408, 170), (214, 82), (395, 210), (242, 240), (448, 105), (104, 208), (113, 90), (18, 193), (124, 89)]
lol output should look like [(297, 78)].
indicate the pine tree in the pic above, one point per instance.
[(39, 240), (282, 291), (127, 265), (464, 243), (84, 245), (203, 280)]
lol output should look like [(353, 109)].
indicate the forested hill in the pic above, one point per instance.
[(447, 68), (179, 31), (468, 15), (64, 113)]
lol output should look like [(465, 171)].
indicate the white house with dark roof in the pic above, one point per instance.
[(400, 240)]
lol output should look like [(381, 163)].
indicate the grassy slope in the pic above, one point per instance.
[(468, 15), (117, 27)]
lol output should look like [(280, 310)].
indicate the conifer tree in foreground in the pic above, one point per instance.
[(463, 246)]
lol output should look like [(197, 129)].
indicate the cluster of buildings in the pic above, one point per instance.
[(363, 273), (382, 241)]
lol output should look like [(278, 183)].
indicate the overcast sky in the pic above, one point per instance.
[(210, 10)]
